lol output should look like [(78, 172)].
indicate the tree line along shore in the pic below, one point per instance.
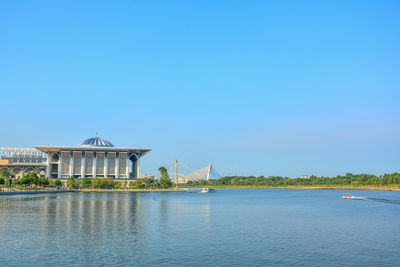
[(348, 181), (32, 181), (356, 181)]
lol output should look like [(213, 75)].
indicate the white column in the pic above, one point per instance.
[(116, 165), (48, 169), (127, 165), (59, 165), (83, 163), (138, 167), (94, 164), (71, 164), (105, 164)]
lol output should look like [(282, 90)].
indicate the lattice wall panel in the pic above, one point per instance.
[(77, 162), (122, 163), (100, 163), (65, 163), (89, 163), (111, 163)]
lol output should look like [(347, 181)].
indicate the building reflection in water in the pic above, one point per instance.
[(98, 212), (133, 223)]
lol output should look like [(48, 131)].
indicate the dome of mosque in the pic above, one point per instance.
[(96, 142)]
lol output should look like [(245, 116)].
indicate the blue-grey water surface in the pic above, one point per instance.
[(232, 227)]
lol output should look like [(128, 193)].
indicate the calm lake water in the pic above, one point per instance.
[(232, 227)]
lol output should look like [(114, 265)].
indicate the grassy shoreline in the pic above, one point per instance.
[(376, 188), (90, 190)]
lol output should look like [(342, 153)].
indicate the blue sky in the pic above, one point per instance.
[(255, 87)]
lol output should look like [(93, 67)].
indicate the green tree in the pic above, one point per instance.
[(44, 181), (25, 181), (57, 183), (165, 182), (86, 182), (148, 182), (103, 183), (30, 178), (96, 182), (70, 181), (138, 184), (77, 183), (2, 181), (117, 185), (6, 176), (110, 183), (34, 178)]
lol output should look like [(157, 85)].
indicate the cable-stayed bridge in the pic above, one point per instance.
[(181, 173)]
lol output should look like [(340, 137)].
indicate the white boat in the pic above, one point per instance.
[(353, 197), (207, 190), (347, 196)]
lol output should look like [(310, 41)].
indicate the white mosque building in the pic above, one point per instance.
[(94, 157)]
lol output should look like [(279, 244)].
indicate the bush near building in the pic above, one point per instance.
[(32, 179), (58, 183), (86, 182)]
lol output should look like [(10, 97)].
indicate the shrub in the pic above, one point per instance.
[(57, 183), (86, 182)]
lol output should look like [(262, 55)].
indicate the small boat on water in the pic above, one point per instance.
[(207, 190), (347, 196)]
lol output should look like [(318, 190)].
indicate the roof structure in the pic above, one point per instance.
[(19, 151), (47, 149), (93, 144), (18, 156)]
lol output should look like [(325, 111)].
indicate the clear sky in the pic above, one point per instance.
[(255, 87)]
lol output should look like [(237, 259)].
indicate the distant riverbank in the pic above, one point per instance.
[(396, 189), (34, 192)]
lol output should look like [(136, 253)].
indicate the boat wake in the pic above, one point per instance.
[(391, 201)]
